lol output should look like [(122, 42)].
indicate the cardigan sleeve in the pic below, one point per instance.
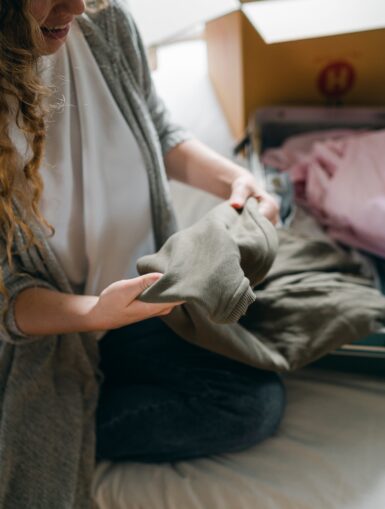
[(15, 281), (169, 133)]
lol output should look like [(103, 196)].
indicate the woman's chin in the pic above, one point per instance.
[(51, 48)]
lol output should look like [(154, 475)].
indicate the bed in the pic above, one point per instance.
[(328, 454), (330, 450)]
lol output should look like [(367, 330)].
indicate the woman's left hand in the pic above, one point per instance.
[(193, 163), (244, 187)]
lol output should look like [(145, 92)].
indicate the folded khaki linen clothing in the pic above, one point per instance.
[(314, 299)]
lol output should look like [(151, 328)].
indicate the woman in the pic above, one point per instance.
[(73, 221)]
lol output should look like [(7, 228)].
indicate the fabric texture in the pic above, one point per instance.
[(339, 175), (314, 299), (164, 399), (49, 385)]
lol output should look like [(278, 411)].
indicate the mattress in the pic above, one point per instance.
[(329, 453)]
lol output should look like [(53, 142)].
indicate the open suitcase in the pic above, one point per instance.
[(270, 127)]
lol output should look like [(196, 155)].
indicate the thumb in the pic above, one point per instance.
[(147, 280), (132, 288), (239, 195)]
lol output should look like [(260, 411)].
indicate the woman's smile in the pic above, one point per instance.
[(55, 18), (57, 33)]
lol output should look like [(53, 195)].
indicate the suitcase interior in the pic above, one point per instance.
[(269, 127)]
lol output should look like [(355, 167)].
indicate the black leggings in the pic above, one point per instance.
[(164, 399)]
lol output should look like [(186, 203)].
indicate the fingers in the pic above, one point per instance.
[(143, 310), (118, 304), (267, 205), (269, 208), (245, 187), (148, 280), (132, 288), (167, 311)]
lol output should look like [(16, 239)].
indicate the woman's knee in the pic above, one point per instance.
[(270, 406), (259, 410)]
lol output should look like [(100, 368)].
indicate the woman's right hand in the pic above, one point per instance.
[(118, 306)]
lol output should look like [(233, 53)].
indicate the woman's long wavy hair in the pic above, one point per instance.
[(21, 104)]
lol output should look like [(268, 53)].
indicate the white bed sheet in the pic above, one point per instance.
[(328, 454)]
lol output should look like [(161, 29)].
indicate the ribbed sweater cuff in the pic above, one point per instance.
[(242, 305), (14, 334)]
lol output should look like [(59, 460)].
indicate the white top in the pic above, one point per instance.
[(96, 191)]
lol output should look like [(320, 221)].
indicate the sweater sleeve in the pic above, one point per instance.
[(215, 263), (15, 281), (169, 133)]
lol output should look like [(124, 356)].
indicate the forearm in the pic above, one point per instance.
[(40, 312), (193, 163)]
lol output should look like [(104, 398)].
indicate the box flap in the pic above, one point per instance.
[(161, 20), (288, 20)]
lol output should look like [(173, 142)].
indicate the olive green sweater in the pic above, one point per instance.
[(314, 299)]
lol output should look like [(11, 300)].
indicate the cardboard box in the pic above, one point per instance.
[(299, 52)]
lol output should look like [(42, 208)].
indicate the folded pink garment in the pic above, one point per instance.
[(340, 176)]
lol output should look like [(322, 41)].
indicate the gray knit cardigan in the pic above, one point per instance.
[(49, 385)]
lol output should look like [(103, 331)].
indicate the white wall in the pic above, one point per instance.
[(158, 20)]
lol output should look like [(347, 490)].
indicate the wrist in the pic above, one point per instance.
[(229, 174), (88, 316), (195, 164)]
